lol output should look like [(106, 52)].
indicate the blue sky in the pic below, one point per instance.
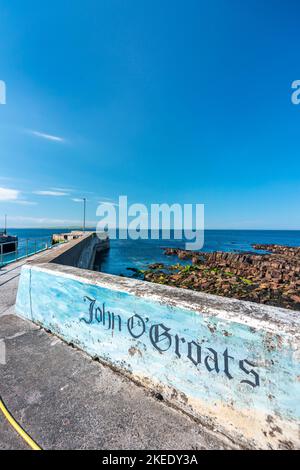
[(163, 101)]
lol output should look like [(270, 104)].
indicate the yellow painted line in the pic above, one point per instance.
[(18, 428)]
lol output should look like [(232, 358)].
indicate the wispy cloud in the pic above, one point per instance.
[(51, 193), (108, 202), (77, 199), (14, 196), (64, 190), (21, 221), (7, 194), (43, 135), (24, 202)]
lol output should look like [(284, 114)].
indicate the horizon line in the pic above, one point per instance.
[(122, 228)]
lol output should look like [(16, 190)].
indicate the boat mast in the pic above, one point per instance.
[(5, 220)]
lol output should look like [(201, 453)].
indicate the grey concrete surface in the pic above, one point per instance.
[(9, 279), (65, 400)]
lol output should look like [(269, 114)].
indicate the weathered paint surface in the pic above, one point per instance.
[(240, 377)]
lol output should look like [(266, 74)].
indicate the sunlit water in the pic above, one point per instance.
[(139, 254)]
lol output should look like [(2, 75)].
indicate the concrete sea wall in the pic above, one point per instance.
[(81, 252), (233, 365)]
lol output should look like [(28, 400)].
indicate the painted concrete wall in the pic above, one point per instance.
[(233, 365)]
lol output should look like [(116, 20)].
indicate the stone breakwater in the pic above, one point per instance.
[(271, 278)]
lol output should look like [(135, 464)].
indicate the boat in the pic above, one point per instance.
[(8, 243)]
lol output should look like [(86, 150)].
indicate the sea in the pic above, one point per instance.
[(124, 254)]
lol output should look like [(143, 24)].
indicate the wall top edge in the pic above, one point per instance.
[(275, 319)]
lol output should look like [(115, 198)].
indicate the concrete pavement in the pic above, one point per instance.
[(9, 279)]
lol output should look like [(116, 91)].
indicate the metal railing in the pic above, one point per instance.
[(23, 249)]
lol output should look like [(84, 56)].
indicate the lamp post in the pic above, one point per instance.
[(84, 209)]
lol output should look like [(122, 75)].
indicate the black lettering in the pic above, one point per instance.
[(177, 342), (226, 363), (253, 384), (113, 321), (196, 360), (98, 314), (214, 359), (104, 317), (131, 325), (156, 336), (91, 310)]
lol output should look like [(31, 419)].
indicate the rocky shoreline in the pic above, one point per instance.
[(271, 278)]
